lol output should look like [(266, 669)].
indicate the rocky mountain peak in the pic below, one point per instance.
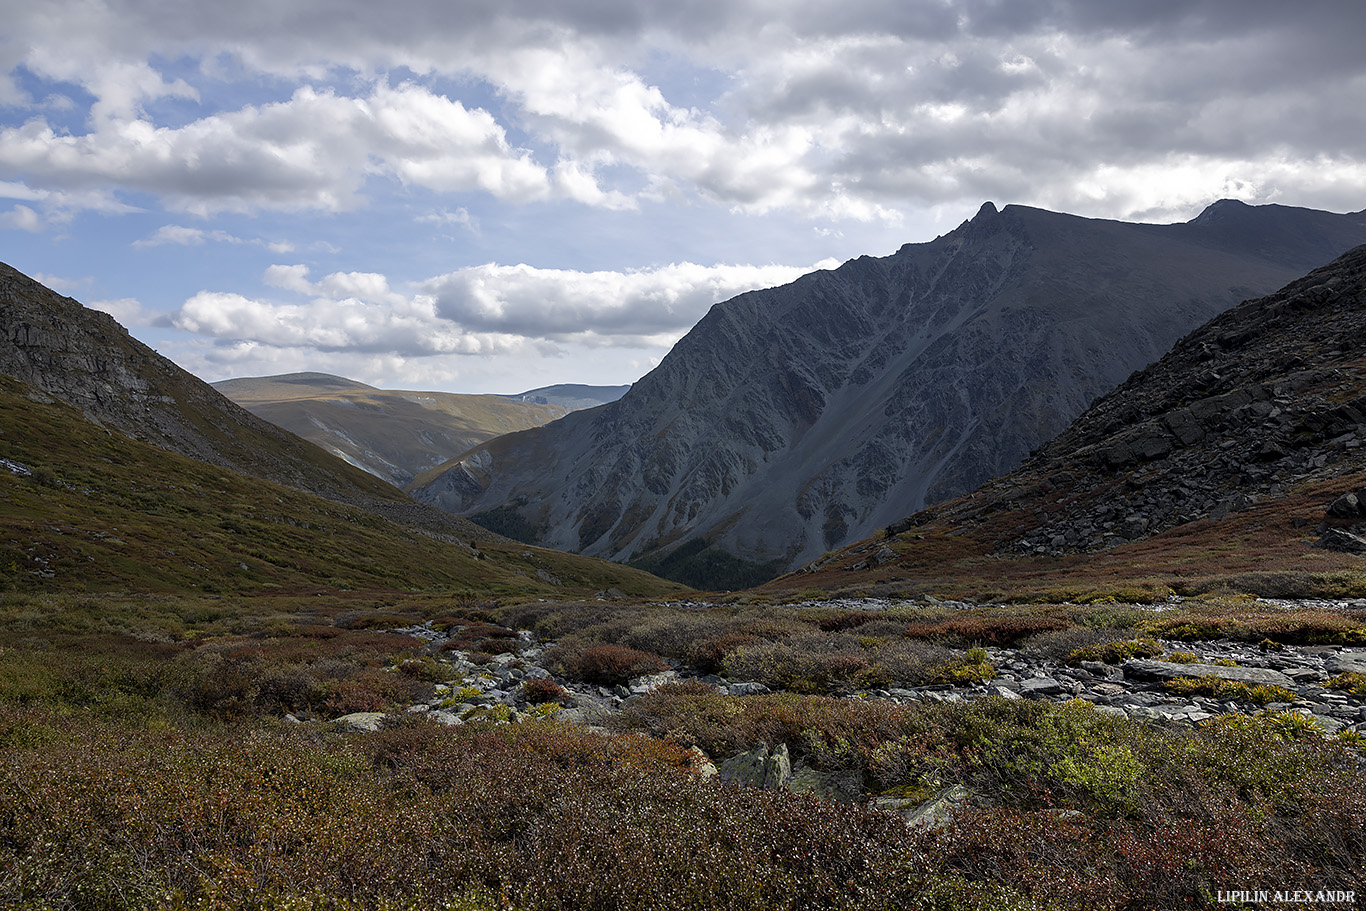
[(795, 419), (1262, 400)]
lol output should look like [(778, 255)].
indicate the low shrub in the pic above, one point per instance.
[(1056, 645), (606, 665), (1350, 681), (541, 690), (973, 667), (801, 666), (1115, 652), (1229, 690), (985, 629)]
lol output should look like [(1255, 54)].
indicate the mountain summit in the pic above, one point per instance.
[(792, 420)]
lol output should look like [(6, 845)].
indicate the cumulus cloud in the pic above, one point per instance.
[(127, 310), (854, 111), (559, 304), (484, 310), (311, 151)]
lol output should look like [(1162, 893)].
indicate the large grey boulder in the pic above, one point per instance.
[(759, 767), (360, 721), (1344, 542), (1141, 669), (1346, 663)]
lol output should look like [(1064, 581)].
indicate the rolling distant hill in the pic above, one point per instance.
[(793, 420), (572, 396), (393, 434)]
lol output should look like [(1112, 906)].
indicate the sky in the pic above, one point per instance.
[(500, 195)]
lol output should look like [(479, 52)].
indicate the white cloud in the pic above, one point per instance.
[(60, 283), (313, 151), (180, 235), (22, 218), (484, 310), (855, 112), (444, 217), (127, 310), (589, 307)]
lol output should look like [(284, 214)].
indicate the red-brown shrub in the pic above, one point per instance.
[(611, 665), (540, 690)]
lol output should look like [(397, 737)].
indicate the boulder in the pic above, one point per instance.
[(1345, 542), (759, 767), (1040, 687), (937, 811), (1348, 506), (360, 721), (1346, 663), (1142, 669)]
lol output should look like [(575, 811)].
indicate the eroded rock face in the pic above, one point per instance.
[(1265, 398), (793, 420)]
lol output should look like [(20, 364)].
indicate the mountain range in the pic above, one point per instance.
[(1239, 456), (396, 435), (791, 421)]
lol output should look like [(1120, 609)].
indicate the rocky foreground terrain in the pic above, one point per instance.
[(1303, 684), (793, 420)]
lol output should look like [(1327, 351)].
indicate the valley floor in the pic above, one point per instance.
[(380, 750)]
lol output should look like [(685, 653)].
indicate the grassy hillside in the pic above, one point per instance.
[(96, 510), (394, 434)]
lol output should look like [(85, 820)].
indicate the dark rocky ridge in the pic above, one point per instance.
[(792, 420), (1266, 397), (86, 359)]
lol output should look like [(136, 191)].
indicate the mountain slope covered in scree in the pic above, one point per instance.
[(792, 420)]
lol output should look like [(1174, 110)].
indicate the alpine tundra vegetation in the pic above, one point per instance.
[(290, 689)]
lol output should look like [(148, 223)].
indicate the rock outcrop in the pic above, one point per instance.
[(1264, 399), (793, 420)]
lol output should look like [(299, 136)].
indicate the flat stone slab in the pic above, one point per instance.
[(1038, 687), (1346, 662), (360, 721), (1143, 669)]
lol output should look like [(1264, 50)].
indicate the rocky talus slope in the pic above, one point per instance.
[(793, 420), (1265, 398), (84, 358)]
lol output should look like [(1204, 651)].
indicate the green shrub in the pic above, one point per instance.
[(1229, 690), (1350, 681), (799, 666), (974, 667), (1115, 652)]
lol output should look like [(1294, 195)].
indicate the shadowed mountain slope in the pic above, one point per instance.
[(86, 359), (392, 434), (1235, 453), (792, 420)]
